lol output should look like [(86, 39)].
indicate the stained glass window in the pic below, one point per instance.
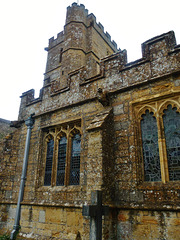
[(75, 160), (152, 171), (171, 120), (49, 160), (61, 161)]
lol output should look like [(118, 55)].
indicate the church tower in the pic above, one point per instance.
[(82, 43)]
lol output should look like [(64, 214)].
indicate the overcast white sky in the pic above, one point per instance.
[(26, 26)]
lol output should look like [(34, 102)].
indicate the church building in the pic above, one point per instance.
[(101, 142)]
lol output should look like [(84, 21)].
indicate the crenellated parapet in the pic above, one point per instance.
[(167, 43), (84, 64), (78, 14), (55, 41), (160, 57)]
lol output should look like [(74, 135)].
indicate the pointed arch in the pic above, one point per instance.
[(164, 105), (143, 110)]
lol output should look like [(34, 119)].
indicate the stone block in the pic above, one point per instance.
[(118, 109), (42, 216), (53, 215)]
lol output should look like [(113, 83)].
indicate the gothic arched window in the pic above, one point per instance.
[(171, 121), (152, 171), (62, 155), (75, 160)]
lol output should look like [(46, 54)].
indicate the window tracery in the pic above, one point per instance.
[(158, 124), (62, 155)]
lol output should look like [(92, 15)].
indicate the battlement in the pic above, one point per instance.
[(169, 44), (115, 74), (54, 41), (78, 13), (91, 21)]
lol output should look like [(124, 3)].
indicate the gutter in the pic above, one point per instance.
[(29, 123)]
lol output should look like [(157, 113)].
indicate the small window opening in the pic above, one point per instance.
[(60, 56)]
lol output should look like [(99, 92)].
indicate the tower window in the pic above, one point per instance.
[(60, 55)]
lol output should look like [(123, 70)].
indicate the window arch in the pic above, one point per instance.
[(149, 134), (171, 122)]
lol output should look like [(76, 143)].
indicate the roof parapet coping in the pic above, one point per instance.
[(101, 26), (54, 41), (108, 36), (91, 17), (169, 38)]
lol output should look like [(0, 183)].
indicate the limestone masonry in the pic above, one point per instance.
[(103, 124)]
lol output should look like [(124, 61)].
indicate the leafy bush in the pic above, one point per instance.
[(5, 237)]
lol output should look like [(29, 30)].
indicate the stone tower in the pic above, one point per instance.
[(82, 43)]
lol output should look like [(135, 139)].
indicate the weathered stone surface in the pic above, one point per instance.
[(89, 86)]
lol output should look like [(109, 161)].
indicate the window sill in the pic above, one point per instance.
[(69, 188)]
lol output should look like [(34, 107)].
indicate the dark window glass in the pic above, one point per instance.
[(152, 171), (60, 55), (171, 120), (75, 160), (49, 159), (61, 161)]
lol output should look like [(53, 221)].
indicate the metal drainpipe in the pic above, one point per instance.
[(29, 123)]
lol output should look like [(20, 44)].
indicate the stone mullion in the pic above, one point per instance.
[(44, 158), (162, 151)]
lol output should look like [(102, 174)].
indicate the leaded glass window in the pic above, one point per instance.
[(49, 160), (61, 161), (75, 160), (152, 171), (62, 155), (171, 121)]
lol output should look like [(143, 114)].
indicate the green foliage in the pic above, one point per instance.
[(5, 237)]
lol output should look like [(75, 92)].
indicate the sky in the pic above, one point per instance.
[(27, 25)]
